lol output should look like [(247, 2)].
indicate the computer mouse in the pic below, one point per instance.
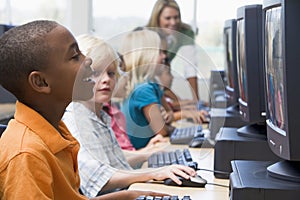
[(197, 142), (196, 181)]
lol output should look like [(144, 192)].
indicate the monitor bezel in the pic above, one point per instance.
[(252, 111), (232, 94)]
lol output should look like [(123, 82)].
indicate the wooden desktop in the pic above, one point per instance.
[(204, 157)]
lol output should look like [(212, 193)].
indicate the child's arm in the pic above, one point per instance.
[(136, 158), (124, 178), (169, 117), (194, 85), (195, 115), (156, 121)]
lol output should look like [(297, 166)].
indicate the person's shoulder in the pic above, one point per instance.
[(26, 141), (139, 28), (149, 85), (187, 30)]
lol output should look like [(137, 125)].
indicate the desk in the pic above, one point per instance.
[(204, 157)]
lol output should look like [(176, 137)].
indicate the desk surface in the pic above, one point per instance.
[(204, 157)]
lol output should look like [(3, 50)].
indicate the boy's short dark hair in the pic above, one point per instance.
[(23, 49)]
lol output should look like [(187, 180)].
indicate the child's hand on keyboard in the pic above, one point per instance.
[(172, 171), (196, 116), (157, 144), (205, 117), (156, 139)]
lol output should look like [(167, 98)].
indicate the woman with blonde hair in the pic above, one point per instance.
[(166, 20)]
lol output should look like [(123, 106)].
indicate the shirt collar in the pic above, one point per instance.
[(40, 126)]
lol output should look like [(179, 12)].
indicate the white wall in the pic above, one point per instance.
[(80, 16)]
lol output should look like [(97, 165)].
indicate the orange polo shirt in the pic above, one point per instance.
[(36, 161)]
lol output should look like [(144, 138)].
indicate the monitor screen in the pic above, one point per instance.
[(241, 62), (231, 85), (4, 28), (6, 96), (274, 69), (281, 64)]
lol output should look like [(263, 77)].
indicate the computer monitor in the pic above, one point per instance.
[(231, 81), (282, 72), (4, 28), (6, 96), (250, 71)]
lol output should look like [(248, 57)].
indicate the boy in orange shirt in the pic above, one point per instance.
[(42, 66)]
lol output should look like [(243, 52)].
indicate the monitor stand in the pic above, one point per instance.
[(251, 180), (253, 131), (229, 145), (224, 117), (286, 170), (234, 109)]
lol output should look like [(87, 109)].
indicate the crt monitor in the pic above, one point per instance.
[(4, 28), (282, 72), (6, 96), (250, 71), (231, 83)]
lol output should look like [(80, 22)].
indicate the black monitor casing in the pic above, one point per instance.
[(252, 110), (279, 180), (231, 84), (287, 147), (4, 28)]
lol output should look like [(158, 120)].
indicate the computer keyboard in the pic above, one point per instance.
[(163, 198), (181, 157), (185, 135)]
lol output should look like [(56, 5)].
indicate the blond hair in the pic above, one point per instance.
[(100, 51), (140, 50), (157, 10)]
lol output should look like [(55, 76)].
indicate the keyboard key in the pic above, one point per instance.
[(175, 197), (172, 157), (167, 158), (160, 159), (187, 155)]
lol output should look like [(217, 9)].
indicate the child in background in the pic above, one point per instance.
[(118, 121), (144, 98), (182, 109), (118, 125), (102, 166), (165, 79), (42, 66)]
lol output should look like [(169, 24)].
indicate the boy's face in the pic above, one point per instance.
[(69, 70), (105, 78)]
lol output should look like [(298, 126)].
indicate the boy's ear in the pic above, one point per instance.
[(37, 80)]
